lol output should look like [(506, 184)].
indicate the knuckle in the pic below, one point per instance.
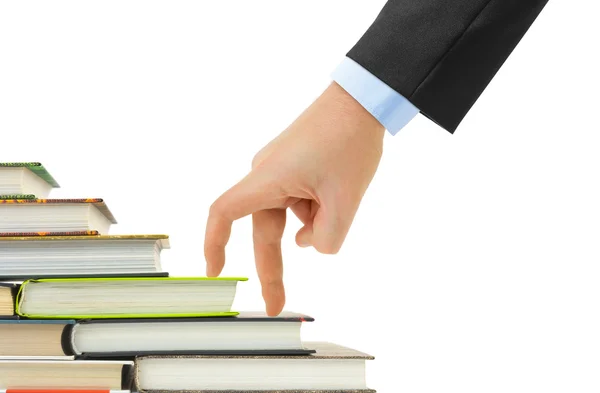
[(216, 208)]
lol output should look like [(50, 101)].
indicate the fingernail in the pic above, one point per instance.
[(304, 245)]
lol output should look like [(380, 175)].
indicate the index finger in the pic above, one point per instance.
[(251, 194)]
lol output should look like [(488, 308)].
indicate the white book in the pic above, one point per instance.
[(48, 256), (55, 215), (26, 178)]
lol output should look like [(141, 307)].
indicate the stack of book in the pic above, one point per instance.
[(85, 311)]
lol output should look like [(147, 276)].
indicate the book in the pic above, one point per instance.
[(65, 375), (7, 303), (36, 339), (55, 215), (333, 368), (246, 333), (22, 178), (120, 297), (49, 234), (47, 256)]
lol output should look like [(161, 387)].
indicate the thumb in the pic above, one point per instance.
[(327, 231), (304, 236)]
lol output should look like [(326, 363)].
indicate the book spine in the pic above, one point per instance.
[(66, 340), (127, 377)]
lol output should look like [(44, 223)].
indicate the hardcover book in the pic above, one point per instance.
[(247, 333), (55, 215), (332, 368), (36, 339), (26, 178), (133, 297), (65, 375), (28, 257)]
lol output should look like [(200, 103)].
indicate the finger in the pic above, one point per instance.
[(249, 195), (330, 226), (305, 210), (305, 235), (268, 227)]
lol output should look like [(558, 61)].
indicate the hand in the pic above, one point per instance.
[(320, 168)]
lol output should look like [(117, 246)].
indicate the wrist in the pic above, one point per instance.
[(350, 111)]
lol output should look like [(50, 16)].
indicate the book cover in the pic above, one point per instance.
[(26, 283), (48, 234), (242, 316), (162, 239), (18, 196), (34, 167), (97, 202), (37, 277)]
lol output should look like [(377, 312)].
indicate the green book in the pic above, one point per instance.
[(127, 297)]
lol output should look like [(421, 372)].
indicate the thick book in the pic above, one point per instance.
[(55, 215), (333, 368), (7, 300), (35, 375), (60, 256), (132, 297), (247, 333), (26, 178), (36, 339)]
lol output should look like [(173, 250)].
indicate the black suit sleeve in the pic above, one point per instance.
[(442, 54)]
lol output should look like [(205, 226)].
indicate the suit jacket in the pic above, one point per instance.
[(442, 54)]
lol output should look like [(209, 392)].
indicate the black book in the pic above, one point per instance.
[(249, 333), (245, 334)]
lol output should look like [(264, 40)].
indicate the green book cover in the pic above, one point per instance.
[(17, 196), (23, 288), (34, 167)]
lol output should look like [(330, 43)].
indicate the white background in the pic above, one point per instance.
[(473, 263)]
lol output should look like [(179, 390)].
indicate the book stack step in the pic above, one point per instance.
[(84, 310)]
